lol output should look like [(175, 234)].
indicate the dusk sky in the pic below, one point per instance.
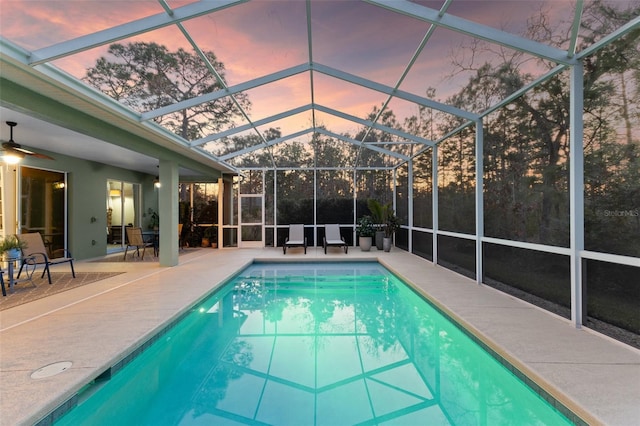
[(262, 36)]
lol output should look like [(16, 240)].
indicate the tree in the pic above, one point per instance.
[(147, 76), (367, 157), (260, 157), (619, 61)]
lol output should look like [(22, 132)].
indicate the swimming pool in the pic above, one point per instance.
[(314, 344)]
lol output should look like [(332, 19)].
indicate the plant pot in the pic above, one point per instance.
[(387, 243), (379, 239), (205, 242), (366, 243), (214, 245), (12, 254)]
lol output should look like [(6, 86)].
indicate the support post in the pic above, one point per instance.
[(168, 210), (576, 190), (479, 199), (410, 204), (434, 203)]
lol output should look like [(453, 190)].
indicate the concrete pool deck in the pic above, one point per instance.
[(96, 325)]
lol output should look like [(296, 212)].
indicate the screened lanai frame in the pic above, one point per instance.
[(404, 147)]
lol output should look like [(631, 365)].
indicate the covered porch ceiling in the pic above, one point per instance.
[(290, 71)]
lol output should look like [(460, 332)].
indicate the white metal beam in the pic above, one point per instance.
[(358, 143), (515, 95), (222, 83), (565, 251), (127, 30), (475, 30), (310, 47), (611, 258), (447, 136), (377, 126), (304, 108), (619, 33), (265, 145), (575, 27), (406, 70), (249, 126), (420, 100), (231, 90)]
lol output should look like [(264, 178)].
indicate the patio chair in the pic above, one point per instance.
[(332, 238), (134, 235), (35, 251), (296, 238)]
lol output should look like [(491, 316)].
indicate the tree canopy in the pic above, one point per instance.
[(147, 76)]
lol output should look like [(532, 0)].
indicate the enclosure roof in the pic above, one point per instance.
[(303, 74)]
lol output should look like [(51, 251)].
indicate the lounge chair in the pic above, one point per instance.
[(332, 238), (296, 238), (134, 235), (35, 252)]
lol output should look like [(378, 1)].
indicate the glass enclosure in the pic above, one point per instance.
[(198, 213), (508, 136)]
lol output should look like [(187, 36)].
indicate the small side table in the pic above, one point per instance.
[(28, 269), (153, 237)]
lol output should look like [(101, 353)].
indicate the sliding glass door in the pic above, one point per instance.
[(123, 209), (43, 207)]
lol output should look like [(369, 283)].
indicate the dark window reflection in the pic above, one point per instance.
[(543, 279), (423, 244), (613, 297), (457, 254)]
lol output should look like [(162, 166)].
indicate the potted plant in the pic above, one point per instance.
[(11, 247), (391, 225), (379, 214), (366, 232), (210, 237), (154, 219)]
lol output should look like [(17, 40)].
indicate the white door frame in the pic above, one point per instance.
[(241, 223)]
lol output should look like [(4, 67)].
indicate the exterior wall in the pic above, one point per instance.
[(87, 180), (86, 199)]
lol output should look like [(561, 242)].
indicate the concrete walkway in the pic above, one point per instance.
[(96, 325)]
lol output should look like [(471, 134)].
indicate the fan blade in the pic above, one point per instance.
[(8, 145), (43, 156), (12, 146), (21, 149)]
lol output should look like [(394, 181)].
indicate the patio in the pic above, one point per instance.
[(96, 326), (25, 292)]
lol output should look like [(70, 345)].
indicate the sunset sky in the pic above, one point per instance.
[(262, 36)]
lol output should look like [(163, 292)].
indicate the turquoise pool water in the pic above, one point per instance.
[(314, 344)]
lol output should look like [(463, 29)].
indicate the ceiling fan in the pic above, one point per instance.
[(15, 149)]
